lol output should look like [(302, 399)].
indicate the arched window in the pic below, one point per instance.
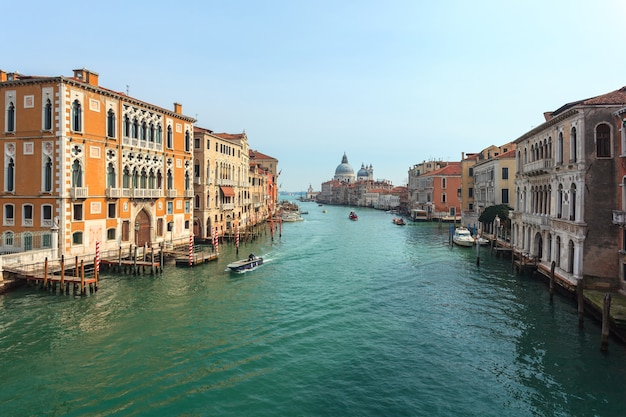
[(111, 180), (159, 177), (77, 238), (143, 134), (76, 116), (558, 251), (47, 115), (159, 134), (8, 238), (47, 174), (126, 126), (135, 178), (77, 174), (111, 123), (574, 145), (144, 179), (572, 203), (151, 180), (151, 132), (170, 180), (187, 141), (11, 117), (9, 183), (559, 202), (603, 140), (559, 149), (197, 201), (170, 138), (126, 178), (570, 257), (187, 181), (135, 128)]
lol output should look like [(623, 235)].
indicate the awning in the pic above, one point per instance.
[(228, 191)]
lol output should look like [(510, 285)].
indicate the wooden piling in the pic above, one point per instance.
[(135, 262), (45, 274), (119, 260), (606, 325), (82, 277), (62, 271), (76, 267), (477, 253), (581, 303), (151, 260), (552, 267)]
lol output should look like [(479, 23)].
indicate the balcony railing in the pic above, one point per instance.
[(619, 217), (113, 192), (188, 193), (170, 193), (79, 192), (538, 166)]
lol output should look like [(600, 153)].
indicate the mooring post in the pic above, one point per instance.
[(161, 258), (76, 267), (62, 272), (581, 302), (135, 271), (606, 325), (552, 266), (45, 273), (96, 273), (82, 277), (151, 259), (477, 253), (119, 259)]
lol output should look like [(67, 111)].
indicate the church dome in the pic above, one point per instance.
[(344, 171), (362, 174)]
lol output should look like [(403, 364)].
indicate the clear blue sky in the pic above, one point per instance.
[(391, 83)]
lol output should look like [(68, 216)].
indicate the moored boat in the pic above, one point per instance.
[(462, 237), (252, 261)]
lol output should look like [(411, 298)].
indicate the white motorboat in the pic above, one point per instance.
[(244, 264), (462, 237), (481, 241), (291, 216)]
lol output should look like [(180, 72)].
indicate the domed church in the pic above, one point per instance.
[(344, 171)]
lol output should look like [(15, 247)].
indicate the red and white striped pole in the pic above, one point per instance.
[(217, 242), (97, 256), (190, 250), (237, 238)]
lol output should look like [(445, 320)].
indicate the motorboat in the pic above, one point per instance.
[(481, 241), (252, 261), (399, 221), (291, 216), (462, 237), (353, 216)]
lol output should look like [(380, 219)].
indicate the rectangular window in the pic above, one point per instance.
[(111, 234), (470, 192), (196, 143), (505, 173), (77, 238), (170, 207), (78, 212), (9, 216), (187, 206), (111, 210), (470, 206), (46, 215), (471, 171), (27, 215), (505, 196), (443, 198)]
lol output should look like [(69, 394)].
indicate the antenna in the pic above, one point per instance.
[(127, 89)]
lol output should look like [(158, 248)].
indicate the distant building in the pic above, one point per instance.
[(344, 171)]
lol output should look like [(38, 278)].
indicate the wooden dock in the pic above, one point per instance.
[(196, 258)]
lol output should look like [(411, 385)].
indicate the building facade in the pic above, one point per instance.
[(566, 189), (89, 165)]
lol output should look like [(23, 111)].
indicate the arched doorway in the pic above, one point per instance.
[(197, 227), (142, 228), (538, 246)]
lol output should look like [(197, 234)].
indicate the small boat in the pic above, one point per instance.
[(462, 237), (324, 211), (399, 221), (252, 261), (353, 216), (481, 241), (291, 217)]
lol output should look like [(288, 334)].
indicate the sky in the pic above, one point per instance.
[(389, 83)]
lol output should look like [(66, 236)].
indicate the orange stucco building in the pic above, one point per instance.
[(88, 164)]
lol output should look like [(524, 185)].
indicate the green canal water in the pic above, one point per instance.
[(344, 318)]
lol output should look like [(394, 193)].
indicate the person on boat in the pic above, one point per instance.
[(251, 257)]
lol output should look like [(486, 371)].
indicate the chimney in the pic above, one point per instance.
[(178, 108), (86, 76), (3, 76)]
